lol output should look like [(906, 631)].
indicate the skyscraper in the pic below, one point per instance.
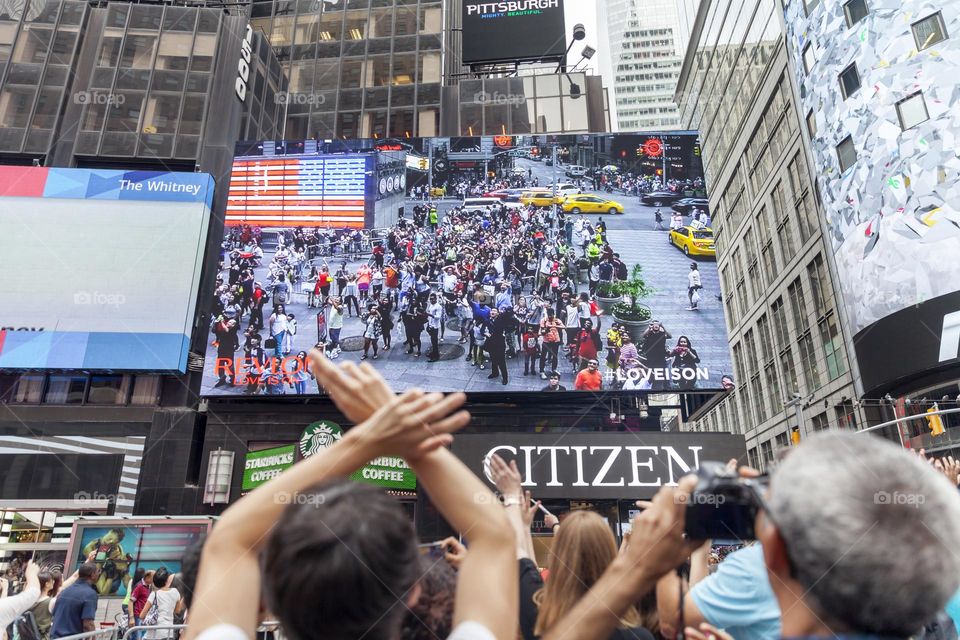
[(643, 56)]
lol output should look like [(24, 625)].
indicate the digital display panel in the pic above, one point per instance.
[(102, 267), (522, 30), (496, 268)]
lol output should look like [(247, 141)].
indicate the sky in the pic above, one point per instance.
[(583, 12)]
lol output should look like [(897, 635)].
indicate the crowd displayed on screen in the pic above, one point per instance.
[(503, 282)]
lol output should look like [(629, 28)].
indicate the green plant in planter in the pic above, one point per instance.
[(606, 291), (635, 289)]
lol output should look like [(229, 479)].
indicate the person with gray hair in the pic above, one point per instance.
[(840, 508), (832, 529)]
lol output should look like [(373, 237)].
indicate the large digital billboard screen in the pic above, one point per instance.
[(499, 268), (102, 267), (522, 30)]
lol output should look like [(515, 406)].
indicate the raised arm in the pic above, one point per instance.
[(656, 546), (487, 583), (228, 587)]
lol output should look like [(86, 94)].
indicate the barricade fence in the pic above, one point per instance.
[(268, 629)]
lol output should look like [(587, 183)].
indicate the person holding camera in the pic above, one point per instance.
[(828, 529)]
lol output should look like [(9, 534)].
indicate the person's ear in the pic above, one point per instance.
[(774, 547)]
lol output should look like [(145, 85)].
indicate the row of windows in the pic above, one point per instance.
[(728, 68), (113, 390)]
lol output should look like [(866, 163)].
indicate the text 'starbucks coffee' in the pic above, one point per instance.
[(387, 471)]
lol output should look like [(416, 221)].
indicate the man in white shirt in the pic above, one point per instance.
[(434, 320), (693, 286)]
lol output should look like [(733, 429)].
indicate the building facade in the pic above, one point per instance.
[(357, 68), (644, 51), (876, 83), (787, 335)]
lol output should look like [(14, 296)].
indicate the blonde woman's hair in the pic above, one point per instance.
[(582, 551)]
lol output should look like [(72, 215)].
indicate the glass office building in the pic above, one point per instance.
[(357, 68)]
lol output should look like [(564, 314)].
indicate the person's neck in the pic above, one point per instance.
[(797, 620)]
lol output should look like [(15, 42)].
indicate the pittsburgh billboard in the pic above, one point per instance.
[(102, 267), (516, 30), (522, 264)]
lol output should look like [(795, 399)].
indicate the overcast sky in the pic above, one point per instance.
[(583, 12)]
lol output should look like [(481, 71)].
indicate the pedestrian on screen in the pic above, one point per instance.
[(693, 286), (554, 383)]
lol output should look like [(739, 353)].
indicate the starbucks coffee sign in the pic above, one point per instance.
[(318, 436), (266, 464), (387, 471)]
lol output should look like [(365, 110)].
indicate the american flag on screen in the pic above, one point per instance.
[(298, 191)]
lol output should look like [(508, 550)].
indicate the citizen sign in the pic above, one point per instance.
[(243, 65), (625, 465)]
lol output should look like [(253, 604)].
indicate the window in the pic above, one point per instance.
[(108, 389), (818, 283), (66, 389), (855, 11), (929, 31), (846, 415), (832, 347), (754, 458), (820, 422), (809, 59), (912, 110), (812, 123), (846, 153), (29, 389), (783, 441), (766, 452), (849, 81)]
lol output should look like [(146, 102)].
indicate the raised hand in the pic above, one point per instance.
[(453, 552), (357, 391), (506, 476), (657, 542), (412, 424)]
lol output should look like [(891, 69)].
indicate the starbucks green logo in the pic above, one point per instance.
[(318, 436)]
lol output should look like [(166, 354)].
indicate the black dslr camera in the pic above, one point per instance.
[(723, 505)]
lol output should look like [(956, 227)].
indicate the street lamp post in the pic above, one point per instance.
[(430, 168), (797, 404), (664, 146)]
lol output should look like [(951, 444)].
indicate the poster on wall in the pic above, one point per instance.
[(120, 550)]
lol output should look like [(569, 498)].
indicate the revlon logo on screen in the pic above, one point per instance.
[(487, 8), (598, 466), (950, 337)]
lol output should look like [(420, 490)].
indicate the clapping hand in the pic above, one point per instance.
[(413, 424), (506, 476), (357, 391)]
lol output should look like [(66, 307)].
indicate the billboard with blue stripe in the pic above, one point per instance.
[(103, 267)]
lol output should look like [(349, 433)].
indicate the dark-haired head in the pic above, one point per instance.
[(88, 571), (432, 616), (189, 567), (160, 577), (340, 564)]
